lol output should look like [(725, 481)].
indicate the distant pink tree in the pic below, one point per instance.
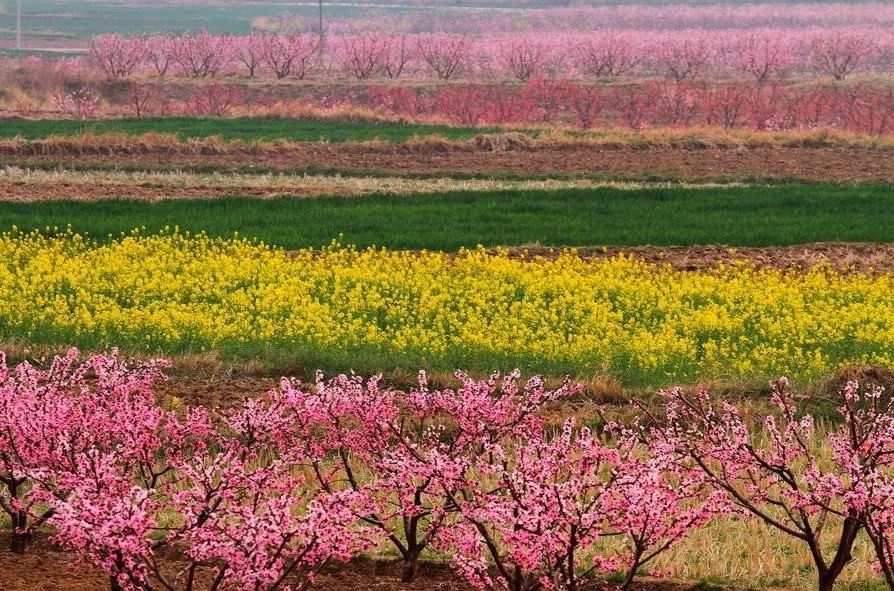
[(397, 56), (363, 55), (144, 100), (524, 57), (839, 54), (673, 104), (161, 52), (548, 98), (202, 54), (216, 99), (117, 56), (586, 103), (722, 104), (607, 55), (81, 104), (762, 57), (290, 55), (250, 51), (682, 59), (633, 106), (445, 55), (465, 104), (866, 109)]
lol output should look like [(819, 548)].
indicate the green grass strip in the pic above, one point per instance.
[(736, 216), (246, 129)]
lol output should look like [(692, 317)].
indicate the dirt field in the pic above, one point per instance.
[(862, 257), (810, 164)]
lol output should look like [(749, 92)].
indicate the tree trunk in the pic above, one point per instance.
[(411, 562), (826, 582), (20, 539), (828, 576)]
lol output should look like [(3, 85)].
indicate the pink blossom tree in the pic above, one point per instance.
[(81, 104), (241, 517), (412, 445), (290, 55), (525, 57), (161, 52), (839, 55), (864, 447), (144, 100), (202, 55), (780, 481), (445, 55), (117, 56), (363, 56), (397, 56), (538, 507), (682, 59), (49, 419), (722, 104), (215, 100), (607, 55), (761, 57), (250, 51), (587, 103)]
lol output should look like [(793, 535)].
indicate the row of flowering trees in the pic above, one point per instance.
[(863, 108), (686, 55), (264, 495)]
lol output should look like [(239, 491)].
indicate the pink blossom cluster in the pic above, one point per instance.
[(679, 55), (263, 495)]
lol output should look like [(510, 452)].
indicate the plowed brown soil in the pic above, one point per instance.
[(863, 257), (27, 192), (812, 164)]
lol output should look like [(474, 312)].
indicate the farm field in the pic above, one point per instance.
[(454, 296), (485, 157), (738, 216), (245, 129)]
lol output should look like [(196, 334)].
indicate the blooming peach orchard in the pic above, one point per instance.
[(264, 495), (686, 55)]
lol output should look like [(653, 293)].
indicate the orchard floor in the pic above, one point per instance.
[(46, 569), (622, 163)]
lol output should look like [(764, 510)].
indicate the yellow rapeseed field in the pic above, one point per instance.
[(366, 310)]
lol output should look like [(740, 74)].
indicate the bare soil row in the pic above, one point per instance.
[(846, 165)]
